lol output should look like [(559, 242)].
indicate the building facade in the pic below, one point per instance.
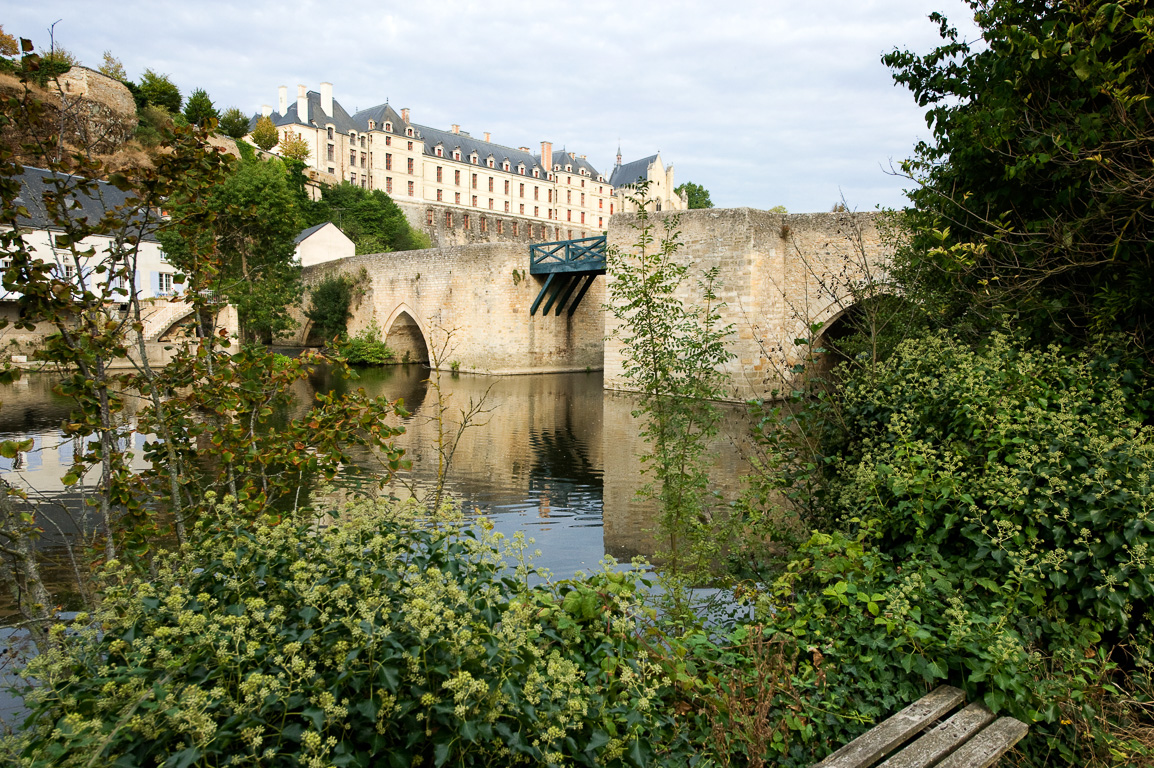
[(650, 174), (454, 186)]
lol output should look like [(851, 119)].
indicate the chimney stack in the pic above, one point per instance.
[(327, 99), (487, 139), (456, 128), (523, 149), (405, 114), (265, 110), (547, 155), (282, 100), (302, 104)]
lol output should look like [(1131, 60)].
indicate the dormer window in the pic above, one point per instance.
[(388, 125), (521, 168), (473, 158), (582, 171), (408, 131), (569, 169), (505, 165), (456, 154), (489, 162), (440, 151), (372, 124), (536, 173), (353, 136)]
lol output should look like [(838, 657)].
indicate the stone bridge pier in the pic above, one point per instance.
[(780, 274), (467, 306)]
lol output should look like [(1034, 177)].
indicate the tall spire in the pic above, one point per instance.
[(619, 152)]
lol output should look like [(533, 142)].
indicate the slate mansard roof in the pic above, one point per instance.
[(94, 202), (563, 158), (468, 145), (632, 172)]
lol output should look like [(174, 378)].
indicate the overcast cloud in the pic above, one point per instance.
[(779, 102)]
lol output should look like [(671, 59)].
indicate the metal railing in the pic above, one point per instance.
[(586, 254)]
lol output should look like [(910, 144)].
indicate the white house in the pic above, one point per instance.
[(153, 276), (324, 242)]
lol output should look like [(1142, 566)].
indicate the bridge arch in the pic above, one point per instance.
[(405, 335)]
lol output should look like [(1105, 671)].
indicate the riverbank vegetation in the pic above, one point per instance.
[(969, 504)]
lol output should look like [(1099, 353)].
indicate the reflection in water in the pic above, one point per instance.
[(556, 456)]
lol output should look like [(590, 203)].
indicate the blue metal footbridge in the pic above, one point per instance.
[(571, 266)]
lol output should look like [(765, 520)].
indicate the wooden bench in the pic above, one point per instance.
[(971, 738)]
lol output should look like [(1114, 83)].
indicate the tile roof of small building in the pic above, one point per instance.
[(632, 172), (94, 202)]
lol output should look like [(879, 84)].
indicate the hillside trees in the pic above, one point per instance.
[(256, 218), (698, 195), (199, 109), (234, 123), (157, 89), (264, 134), (370, 218), (1034, 194)]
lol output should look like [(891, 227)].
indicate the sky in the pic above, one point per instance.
[(777, 102)]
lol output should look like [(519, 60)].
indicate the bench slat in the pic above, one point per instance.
[(943, 739), (984, 749), (875, 743)]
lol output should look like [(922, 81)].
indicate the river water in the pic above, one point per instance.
[(553, 455)]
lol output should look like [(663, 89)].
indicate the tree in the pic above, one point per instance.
[(159, 90), (199, 109), (112, 67), (8, 44), (264, 135), (1033, 197), (697, 194), (370, 218), (294, 147), (256, 221), (234, 123)]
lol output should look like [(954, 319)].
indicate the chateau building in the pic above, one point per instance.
[(626, 180), (454, 186)]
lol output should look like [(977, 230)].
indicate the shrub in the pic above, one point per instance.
[(366, 348), (378, 640), (330, 303), (1017, 465)]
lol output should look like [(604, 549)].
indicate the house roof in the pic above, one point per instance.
[(468, 145), (381, 114), (306, 234), (340, 119), (632, 172), (91, 203), (563, 158)]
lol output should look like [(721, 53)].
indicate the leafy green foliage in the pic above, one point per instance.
[(330, 305), (1014, 465), (1034, 195), (111, 66), (264, 133), (697, 195), (255, 226), (376, 640), (673, 353), (370, 218), (367, 348), (234, 123), (988, 526), (198, 110), (159, 90)]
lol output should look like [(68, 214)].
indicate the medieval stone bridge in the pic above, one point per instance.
[(469, 306)]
